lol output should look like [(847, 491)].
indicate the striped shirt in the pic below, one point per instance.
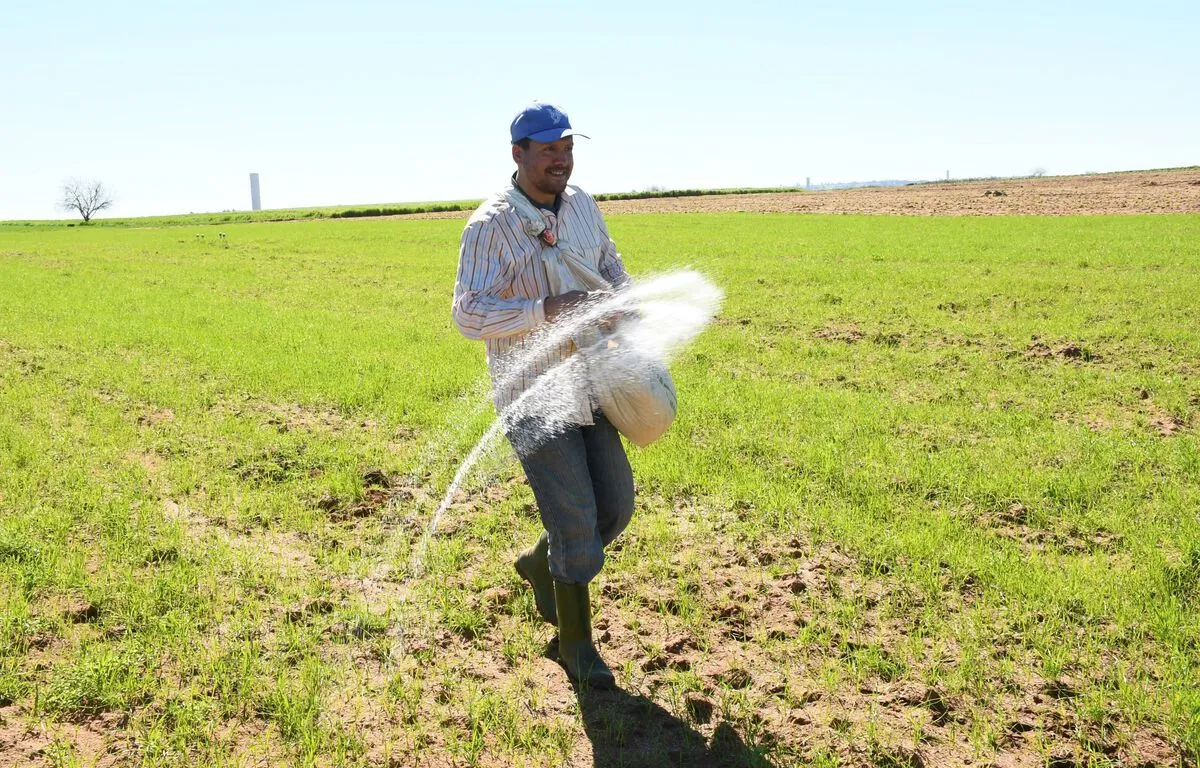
[(502, 283)]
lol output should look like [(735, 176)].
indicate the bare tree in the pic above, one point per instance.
[(87, 198)]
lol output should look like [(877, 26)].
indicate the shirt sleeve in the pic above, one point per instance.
[(611, 266), (484, 274)]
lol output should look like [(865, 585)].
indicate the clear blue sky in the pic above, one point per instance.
[(346, 103)]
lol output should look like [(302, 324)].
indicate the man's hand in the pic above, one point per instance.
[(610, 321), (556, 305)]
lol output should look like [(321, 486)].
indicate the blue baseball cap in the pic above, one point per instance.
[(543, 123)]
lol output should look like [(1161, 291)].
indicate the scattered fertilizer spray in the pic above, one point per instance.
[(658, 317)]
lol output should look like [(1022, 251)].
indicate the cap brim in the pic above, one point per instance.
[(554, 134)]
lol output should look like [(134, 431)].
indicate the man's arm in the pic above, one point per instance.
[(611, 266), (484, 271)]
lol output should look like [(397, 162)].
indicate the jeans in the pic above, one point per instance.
[(584, 489)]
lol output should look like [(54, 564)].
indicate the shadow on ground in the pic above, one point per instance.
[(630, 730)]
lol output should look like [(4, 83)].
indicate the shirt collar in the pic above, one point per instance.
[(552, 209)]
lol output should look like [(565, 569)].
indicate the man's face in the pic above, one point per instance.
[(546, 167)]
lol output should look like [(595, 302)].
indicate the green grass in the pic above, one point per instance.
[(917, 494)]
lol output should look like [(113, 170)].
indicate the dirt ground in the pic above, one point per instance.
[(1175, 191)]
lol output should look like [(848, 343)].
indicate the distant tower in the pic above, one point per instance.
[(807, 182), (255, 200)]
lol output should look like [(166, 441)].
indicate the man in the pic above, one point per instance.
[(580, 474)]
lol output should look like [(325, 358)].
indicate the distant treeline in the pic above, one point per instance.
[(400, 210), (857, 184), (655, 193), (242, 217), (340, 212)]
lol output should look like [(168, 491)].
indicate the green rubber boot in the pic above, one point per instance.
[(575, 648), (534, 566)]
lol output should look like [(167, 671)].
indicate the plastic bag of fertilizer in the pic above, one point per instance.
[(633, 388)]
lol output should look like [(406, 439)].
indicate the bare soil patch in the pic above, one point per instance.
[(1165, 423), (847, 333), (27, 741), (288, 417), (1067, 350)]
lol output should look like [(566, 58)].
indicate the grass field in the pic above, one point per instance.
[(931, 499)]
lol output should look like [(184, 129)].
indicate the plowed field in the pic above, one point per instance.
[(1138, 192), (1172, 191)]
